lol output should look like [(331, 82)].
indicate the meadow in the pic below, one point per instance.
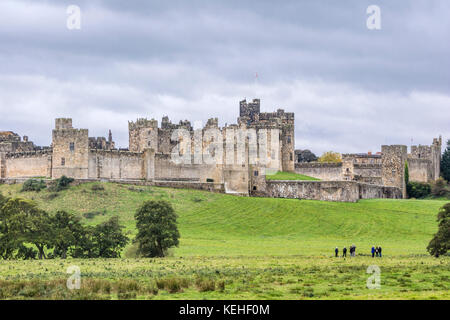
[(243, 248)]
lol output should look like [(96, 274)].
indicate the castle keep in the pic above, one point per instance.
[(232, 159)]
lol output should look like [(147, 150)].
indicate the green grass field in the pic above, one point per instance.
[(248, 248), (281, 175)]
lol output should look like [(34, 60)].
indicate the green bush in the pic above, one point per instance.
[(60, 184), (418, 190), (97, 187), (204, 285), (440, 188), (91, 215), (33, 185)]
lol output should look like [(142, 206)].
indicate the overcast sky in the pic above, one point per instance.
[(352, 89)]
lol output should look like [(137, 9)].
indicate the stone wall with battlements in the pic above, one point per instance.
[(258, 142), (27, 164)]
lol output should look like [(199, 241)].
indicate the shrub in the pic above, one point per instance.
[(52, 196), (172, 285), (418, 190), (439, 188), (33, 185), (204, 285), (60, 184), (97, 187), (125, 286), (221, 285), (91, 215)]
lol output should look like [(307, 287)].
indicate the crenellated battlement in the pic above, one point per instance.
[(28, 154)]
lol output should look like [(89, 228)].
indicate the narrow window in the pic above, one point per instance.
[(290, 156), (63, 161), (255, 173), (72, 146), (289, 140)]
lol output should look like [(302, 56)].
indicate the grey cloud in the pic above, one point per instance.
[(352, 89)]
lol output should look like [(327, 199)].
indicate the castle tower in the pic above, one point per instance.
[(431, 153), (288, 140), (393, 160), (436, 150), (143, 134), (70, 150)]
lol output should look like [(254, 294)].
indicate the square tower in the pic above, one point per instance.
[(70, 150)]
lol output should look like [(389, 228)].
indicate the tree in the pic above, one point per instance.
[(108, 238), (156, 222), (24, 222), (445, 162), (406, 173), (305, 156), (440, 244), (67, 232), (86, 247), (9, 241), (331, 156)]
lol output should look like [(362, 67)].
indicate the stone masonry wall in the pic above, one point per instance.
[(420, 170), (393, 166), (27, 164), (323, 171), (115, 164), (342, 191)]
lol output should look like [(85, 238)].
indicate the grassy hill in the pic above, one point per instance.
[(218, 224), (243, 248)]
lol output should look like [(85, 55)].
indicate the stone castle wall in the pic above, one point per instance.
[(26, 164), (393, 166), (149, 158), (420, 170), (322, 171), (343, 191), (115, 164)]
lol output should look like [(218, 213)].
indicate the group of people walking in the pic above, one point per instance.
[(344, 251), (376, 251)]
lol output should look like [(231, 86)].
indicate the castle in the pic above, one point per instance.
[(231, 159)]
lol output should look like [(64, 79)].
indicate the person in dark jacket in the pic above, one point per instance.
[(336, 252), (373, 251), (376, 251), (379, 251), (353, 250), (344, 252)]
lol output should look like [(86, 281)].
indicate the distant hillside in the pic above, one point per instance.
[(224, 225)]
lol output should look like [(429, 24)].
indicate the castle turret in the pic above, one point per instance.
[(143, 134)]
